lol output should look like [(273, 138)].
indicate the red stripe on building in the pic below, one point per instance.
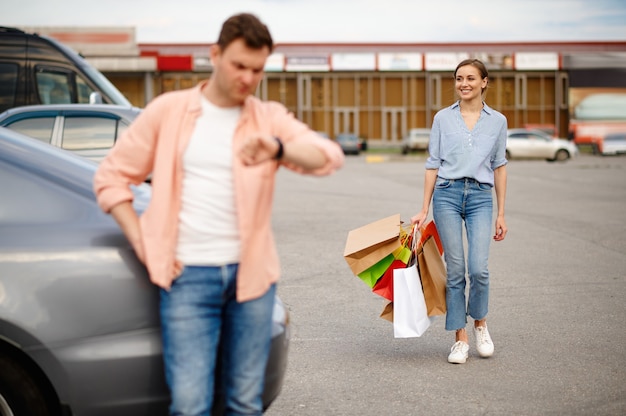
[(68, 37), (175, 63)]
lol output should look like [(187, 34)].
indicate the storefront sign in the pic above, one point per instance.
[(400, 62), (444, 61), (307, 63), (528, 61), (353, 61)]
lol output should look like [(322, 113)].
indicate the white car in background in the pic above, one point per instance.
[(535, 144), (416, 139), (614, 144)]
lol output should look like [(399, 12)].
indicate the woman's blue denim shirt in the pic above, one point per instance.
[(460, 153)]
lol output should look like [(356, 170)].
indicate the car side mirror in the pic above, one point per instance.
[(95, 98)]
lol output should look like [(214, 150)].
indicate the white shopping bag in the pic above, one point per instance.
[(410, 318)]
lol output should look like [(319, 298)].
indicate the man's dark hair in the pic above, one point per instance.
[(247, 27)]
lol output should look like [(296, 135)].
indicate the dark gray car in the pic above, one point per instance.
[(79, 329)]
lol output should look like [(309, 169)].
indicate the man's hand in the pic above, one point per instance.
[(258, 149)]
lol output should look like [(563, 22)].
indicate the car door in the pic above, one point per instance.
[(76, 301), (519, 145), (541, 146)]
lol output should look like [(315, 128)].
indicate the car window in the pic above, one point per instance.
[(121, 128), (8, 85), (537, 136), (84, 90), (38, 127), (88, 133), (518, 136), (54, 87), (28, 198)]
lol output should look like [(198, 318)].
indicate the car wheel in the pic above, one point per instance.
[(20, 395), (561, 155), (507, 155), (405, 150)]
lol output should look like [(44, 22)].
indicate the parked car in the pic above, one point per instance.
[(37, 69), (596, 117), (535, 144), (415, 139), (89, 130), (79, 326), (350, 143), (614, 143)]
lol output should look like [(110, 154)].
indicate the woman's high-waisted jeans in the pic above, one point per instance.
[(455, 201), (200, 309)]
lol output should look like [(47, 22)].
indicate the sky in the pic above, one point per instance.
[(338, 21)]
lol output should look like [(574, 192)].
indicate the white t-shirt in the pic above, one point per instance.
[(208, 232)]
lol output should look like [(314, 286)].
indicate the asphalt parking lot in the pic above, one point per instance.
[(557, 310)]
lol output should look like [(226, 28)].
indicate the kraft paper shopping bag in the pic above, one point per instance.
[(432, 271), (367, 245), (387, 312)]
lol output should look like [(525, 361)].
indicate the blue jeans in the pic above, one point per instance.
[(455, 201), (198, 311)]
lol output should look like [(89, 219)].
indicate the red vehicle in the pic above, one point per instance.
[(597, 116)]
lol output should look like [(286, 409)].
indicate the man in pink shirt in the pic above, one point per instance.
[(212, 152)]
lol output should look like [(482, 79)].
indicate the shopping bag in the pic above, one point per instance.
[(427, 231), (410, 318), (371, 275), (380, 275), (384, 285), (371, 243), (387, 313), (432, 273)]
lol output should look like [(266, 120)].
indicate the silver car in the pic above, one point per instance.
[(89, 130), (350, 143), (535, 144), (415, 139), (79, 327)]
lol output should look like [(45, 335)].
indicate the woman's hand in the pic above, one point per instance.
[(501, 229), (419, 219)]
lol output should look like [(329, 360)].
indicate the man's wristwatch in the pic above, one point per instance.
[(281, 149)]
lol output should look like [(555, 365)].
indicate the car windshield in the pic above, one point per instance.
[(109, 89), (346, 138)]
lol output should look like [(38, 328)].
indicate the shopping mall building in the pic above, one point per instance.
[(377, 90)]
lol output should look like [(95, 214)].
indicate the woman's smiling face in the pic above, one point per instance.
[(469, 83)]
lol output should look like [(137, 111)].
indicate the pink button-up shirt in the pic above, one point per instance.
[(155, 143)]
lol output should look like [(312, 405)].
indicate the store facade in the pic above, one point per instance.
[(378, 91)]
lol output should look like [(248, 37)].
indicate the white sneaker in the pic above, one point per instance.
[(458, 353), (484, 345)]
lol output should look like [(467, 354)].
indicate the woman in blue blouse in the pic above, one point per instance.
[(466, 160)]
